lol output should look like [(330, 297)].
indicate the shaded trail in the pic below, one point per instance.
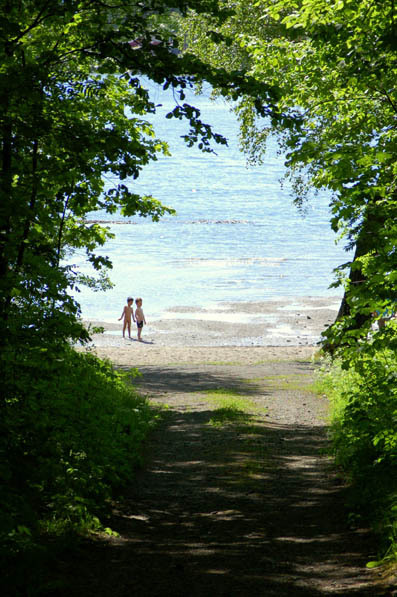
[(246, 506)]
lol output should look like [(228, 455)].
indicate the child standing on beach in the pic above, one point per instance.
[(139, 316), (127, 313)]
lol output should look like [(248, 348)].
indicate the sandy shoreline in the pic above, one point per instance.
[(247, 332)]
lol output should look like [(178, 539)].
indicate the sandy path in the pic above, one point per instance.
[(250, 506)]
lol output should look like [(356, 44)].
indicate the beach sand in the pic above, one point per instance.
[(283, 328)]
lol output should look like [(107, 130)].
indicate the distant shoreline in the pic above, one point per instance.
[(295, 321)]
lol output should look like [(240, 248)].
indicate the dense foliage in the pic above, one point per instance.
[(363, 430), (333, 67), (71, 432)]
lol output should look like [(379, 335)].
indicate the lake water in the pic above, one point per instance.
[(236, 236)]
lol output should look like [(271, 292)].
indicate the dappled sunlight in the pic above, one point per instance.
[(267, 511), (250, 505)]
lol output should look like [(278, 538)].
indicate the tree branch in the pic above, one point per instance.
[(38, 20), (33, 197), (61, 227)]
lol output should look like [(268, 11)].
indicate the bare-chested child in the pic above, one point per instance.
[(127, 313), (139, 316)]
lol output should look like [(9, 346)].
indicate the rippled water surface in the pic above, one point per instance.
[(236, 235)]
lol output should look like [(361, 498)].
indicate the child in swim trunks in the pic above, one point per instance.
[(140, 317)]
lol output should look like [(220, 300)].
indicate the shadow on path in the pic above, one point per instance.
[(243, 509), (188, 380)]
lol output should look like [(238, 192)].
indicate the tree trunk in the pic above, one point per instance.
[(368, 240), (356, 277), (5, 214)]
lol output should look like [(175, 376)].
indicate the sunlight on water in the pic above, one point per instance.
[(236, 235)]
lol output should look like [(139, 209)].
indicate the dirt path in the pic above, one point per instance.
[(233, 501)]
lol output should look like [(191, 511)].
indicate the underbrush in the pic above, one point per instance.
[(363, 398), (71, 431)]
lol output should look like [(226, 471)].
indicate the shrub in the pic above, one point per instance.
[(71, 431), (363, 400)]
